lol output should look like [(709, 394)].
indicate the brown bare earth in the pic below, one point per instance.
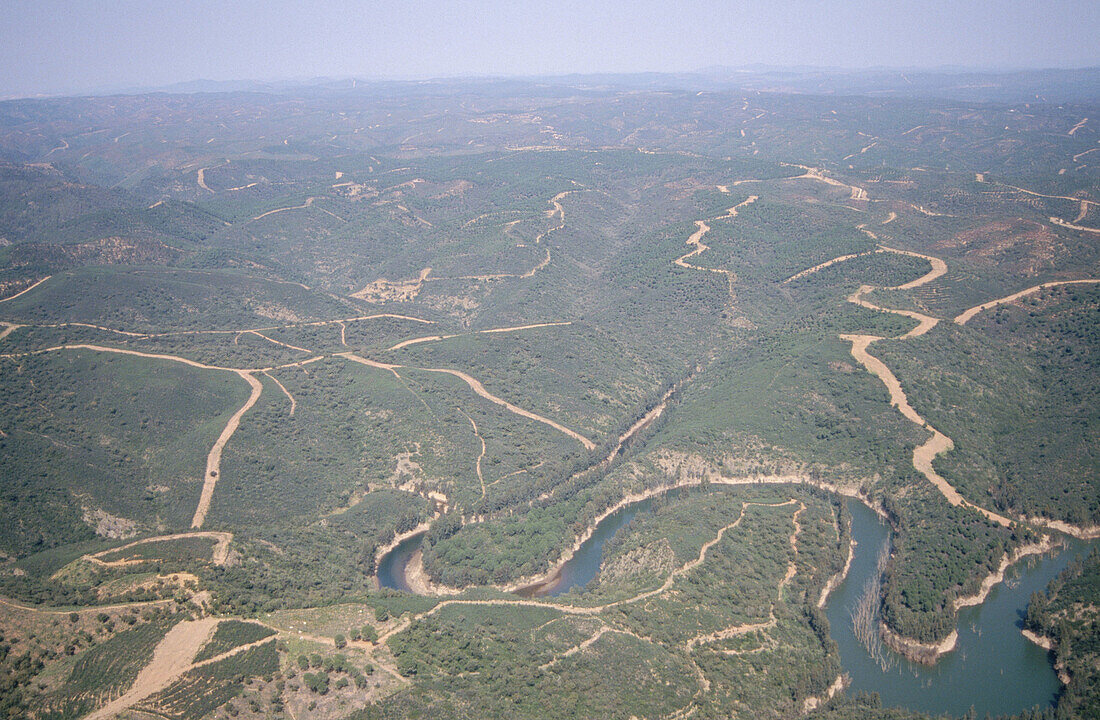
[(965, 317), (172, 658), (27, 290), (219, 555), (479, 389), (939, 443), (214, 459), (383, 290)]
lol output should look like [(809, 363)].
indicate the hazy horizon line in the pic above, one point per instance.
[(762, 68)]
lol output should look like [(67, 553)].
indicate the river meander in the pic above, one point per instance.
[(993, 668)]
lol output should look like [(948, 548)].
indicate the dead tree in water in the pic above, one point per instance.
[(865, 614)]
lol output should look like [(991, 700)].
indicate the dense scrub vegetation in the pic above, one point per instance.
[(619, 280), (1067, 615)]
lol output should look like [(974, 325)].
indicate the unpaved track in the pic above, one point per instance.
[(202, 180), (219, 554), (24, 292), (479, 389), (480, 477), (84, 610), (581, 646), (792, 565), (498, 276), (172, 658), (1063, 223), (828, 263), (696, 241), (156, 356), (436, 338), (857, 193), (1078, 126), (924, 322), (236, 331), (9, 328), (214, 459), (861, 151), (293, 402), (924, 455), (731, 632), (696, 562), (1044, 195), (939, 268), (1080, 155), (279, 342), (308, 202), (966, 316)]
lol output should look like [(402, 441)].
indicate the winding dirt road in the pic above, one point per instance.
[(696, 241), (938, 443), (214, 459), (308, 202), (24, 292), (966, 316), (219, 554), (479, 389)]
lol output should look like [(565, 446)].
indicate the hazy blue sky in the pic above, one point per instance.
[(50, 46)]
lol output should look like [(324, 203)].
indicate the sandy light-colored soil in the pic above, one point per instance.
[(173, 657), (1066, 224), (214, 459), (219, 553), (965, 317), (27, 290), (480, 390), (938, 443)]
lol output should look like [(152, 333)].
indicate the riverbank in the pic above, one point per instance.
[(381, 552), (1048, 644), (927, 653), (915, 650), (835, 580), (1081, 532), (546, 579), (814, 701), (415, 575), (993, 579)]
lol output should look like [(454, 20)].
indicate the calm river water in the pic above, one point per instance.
[(993, 669)]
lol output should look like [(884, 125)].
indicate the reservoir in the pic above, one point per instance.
[(583, 567), (391, 568), (993, 669)]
